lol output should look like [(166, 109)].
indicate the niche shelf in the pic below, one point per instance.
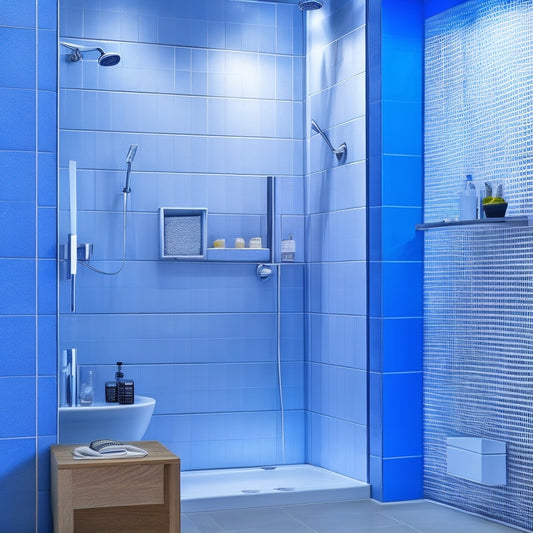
[(508, 221)]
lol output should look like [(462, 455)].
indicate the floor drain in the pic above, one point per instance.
[(268, 468), (250, 491), (285, 489)]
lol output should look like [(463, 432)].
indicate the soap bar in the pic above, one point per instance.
[(219, 243)]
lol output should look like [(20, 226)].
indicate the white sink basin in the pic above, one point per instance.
[(81, 425)]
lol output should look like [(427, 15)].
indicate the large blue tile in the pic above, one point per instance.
[(17, 291), (19, 241), (402, 479), (402, 181), (402, 414), (18, 169), (402, 128), (376, 477), (402, 344), (402, 289), (17, 417), (17, 338), (17, 109), (17, 14), (400, 240), (18, 67)]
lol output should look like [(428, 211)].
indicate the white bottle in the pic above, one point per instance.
[(468, 200)]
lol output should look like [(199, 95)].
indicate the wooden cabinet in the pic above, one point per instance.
[(130, 495)]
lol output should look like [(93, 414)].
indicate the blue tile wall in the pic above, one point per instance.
[(212, 92), (28, 106), (336, 244), (395, 249)]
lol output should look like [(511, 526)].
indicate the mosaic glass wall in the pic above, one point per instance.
[(478, 281)]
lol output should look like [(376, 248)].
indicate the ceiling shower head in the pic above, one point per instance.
[(310, 5), (105, 60)]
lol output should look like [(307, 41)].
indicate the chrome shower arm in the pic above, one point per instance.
[(340, 152)]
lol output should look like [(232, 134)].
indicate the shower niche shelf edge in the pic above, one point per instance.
[(507, 221)]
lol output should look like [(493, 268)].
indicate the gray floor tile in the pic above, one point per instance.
[(364, 516)]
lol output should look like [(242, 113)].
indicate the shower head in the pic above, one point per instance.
[(105, 60), (310, 5), (131, 153), (129, 160)]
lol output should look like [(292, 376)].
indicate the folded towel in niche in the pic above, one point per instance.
[(107, 449)]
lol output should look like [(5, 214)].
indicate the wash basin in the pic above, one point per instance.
[(81, 425)]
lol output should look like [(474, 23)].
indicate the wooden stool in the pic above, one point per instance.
[(130, 495)]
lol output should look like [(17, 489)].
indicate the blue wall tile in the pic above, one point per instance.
[(21, 44), (402, 344), (402, 128), (19, 240), (17, 338), (22, 15), (17, 292), (17, 107), (402, 289), (17, 472), (402, 414), (18, 170), (402, 183), (17, 418), (402, 479)]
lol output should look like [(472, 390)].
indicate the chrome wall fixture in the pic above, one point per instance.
[(340, 152)]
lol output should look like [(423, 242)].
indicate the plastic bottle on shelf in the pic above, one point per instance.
[(468, 200)]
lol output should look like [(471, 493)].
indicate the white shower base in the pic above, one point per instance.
[(237, 488)]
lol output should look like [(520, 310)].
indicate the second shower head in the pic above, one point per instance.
[(105, 60)]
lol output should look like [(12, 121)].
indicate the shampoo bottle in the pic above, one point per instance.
[(468, 200), (125, 387)]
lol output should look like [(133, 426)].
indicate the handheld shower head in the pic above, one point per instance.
[(129, 160), (131, 153), (105, 60)]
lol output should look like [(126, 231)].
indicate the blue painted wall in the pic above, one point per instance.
[(27, 262), (336, 362)]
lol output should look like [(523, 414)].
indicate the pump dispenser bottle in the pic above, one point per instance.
[(125, 387)]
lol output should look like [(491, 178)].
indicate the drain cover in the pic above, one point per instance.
[(285, 489), (250, 491), (268, 468)]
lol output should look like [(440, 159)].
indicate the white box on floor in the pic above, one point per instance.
[(477, 459)]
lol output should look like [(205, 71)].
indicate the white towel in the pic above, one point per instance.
[(112, 452)]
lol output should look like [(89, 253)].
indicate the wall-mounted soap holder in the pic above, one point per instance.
[(183, 233)]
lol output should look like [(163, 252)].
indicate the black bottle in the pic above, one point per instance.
[(125, 387)]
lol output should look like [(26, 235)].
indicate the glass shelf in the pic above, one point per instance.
[(509, 221)]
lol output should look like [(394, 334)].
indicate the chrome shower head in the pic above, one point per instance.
[(105, 60), (129, 160), (131, 153), (108, 60), (310, 5)]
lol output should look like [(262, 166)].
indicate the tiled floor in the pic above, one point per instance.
[(363, 516)]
